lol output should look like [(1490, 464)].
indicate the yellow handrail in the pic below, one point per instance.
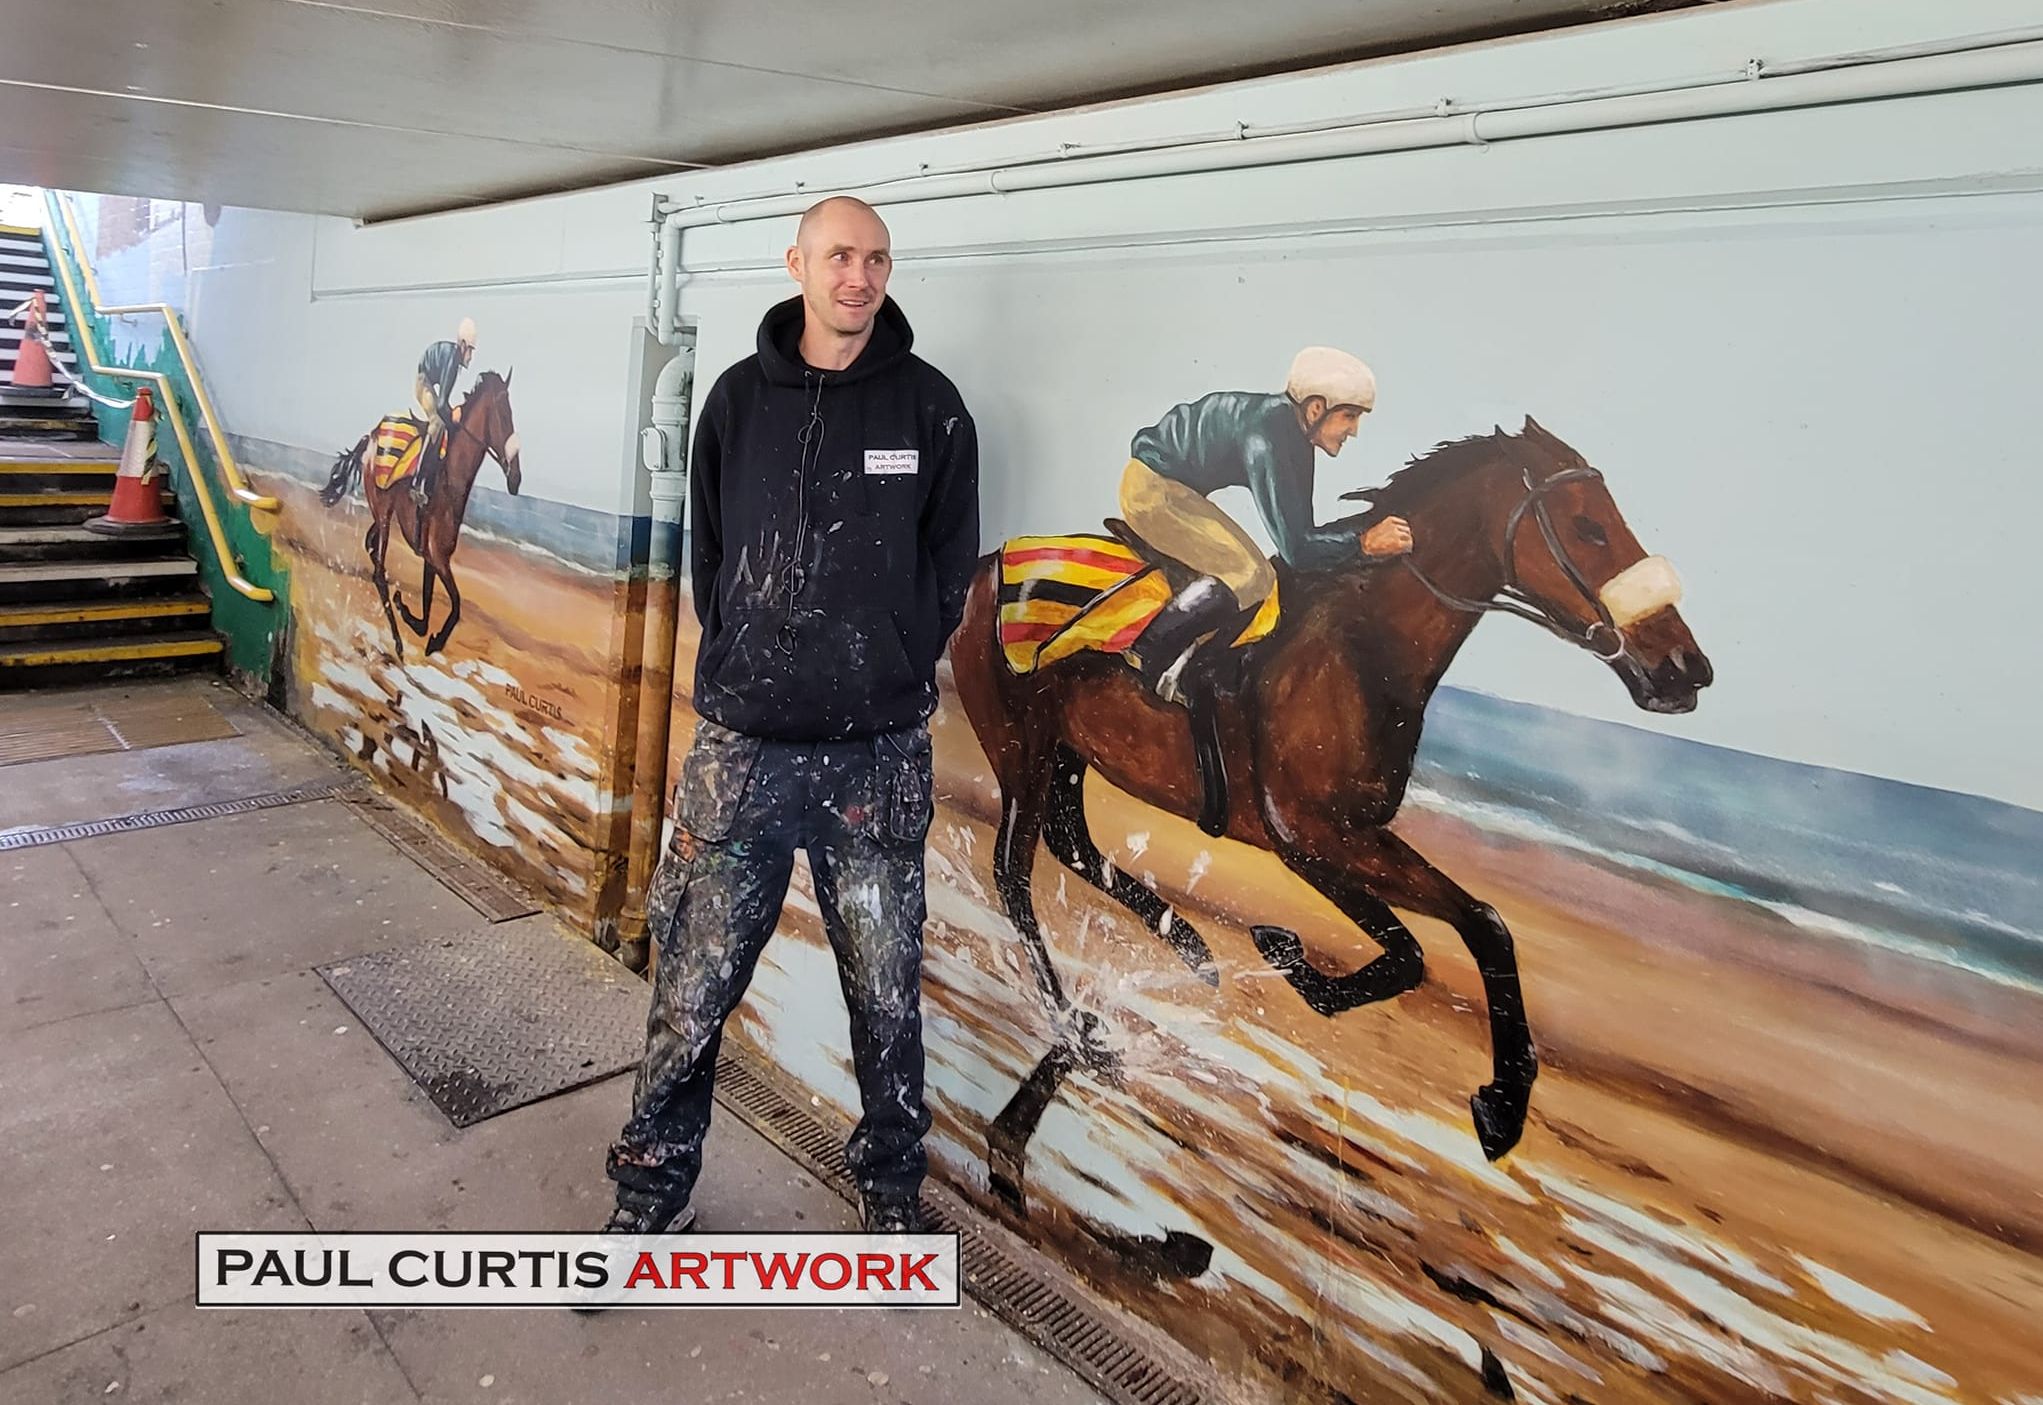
[(237, 484), (81, 329)]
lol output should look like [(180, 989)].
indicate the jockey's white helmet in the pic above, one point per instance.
[(467, 331), (1334, 376)]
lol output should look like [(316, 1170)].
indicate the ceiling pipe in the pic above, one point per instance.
[(1998, 62)]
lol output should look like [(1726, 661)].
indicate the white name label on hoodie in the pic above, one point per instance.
[(892, 460)]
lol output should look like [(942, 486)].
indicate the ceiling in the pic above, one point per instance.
[(380, 108)]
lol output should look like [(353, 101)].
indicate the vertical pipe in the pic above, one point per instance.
[(668, 282), (657, 269), (668, 485)]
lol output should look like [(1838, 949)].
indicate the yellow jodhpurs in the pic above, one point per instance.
[(1186, 526)]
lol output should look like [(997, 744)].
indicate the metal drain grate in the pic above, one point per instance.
[(476, 884), (1095, 1346), (156, 819)]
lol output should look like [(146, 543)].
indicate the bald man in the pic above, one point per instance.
[(834, 525)]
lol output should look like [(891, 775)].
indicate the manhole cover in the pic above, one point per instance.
[(497, 1018)]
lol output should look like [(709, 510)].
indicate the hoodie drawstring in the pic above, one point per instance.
[(811, 440)]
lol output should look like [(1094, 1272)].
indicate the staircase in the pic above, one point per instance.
[(78, 606), (57, 413)]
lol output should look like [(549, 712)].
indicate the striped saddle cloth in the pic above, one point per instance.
[(1065, 595), (394, 451)]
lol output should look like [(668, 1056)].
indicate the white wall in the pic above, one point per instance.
[(1802, 344)]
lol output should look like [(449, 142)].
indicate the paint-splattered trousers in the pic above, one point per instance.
[(861, 809)]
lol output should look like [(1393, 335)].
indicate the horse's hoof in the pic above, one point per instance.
[(1499, 1114), (1495, 1379), (1279, 945), (1088, 1042), (1177, 1257)]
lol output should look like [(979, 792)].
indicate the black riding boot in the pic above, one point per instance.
[(1165, 661), (1200, 608), (421, 478)]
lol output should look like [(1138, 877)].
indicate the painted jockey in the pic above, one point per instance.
[(1265, 443), (433, 393), (1262, 442)]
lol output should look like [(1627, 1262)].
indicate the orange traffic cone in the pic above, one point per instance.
[(137, 508), (31, 357)]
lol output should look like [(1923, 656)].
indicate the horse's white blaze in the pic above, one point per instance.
[(1644, 588), (511, 447)]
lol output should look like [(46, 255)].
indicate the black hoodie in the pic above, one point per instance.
[(834, 527)]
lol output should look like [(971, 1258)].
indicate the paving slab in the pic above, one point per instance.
[(260, 894), (117, 1145), (60, 954), (179, 1355)]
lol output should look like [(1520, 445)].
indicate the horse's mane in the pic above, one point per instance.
[(483, 382), (1440, 468)]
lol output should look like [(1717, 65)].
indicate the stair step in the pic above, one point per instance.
[(85, 619), (14, 425), (10, 336), (44, 582), (56, 497), (64, 508), (42, 407), (59, 346), (19, 475), (14, 429), (21, 545), (52, 508), (49, 663)]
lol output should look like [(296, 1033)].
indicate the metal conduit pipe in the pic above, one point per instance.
[(669, 278), (663, 451), (1847, 78)]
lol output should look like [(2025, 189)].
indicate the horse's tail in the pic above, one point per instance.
[(347, 468)]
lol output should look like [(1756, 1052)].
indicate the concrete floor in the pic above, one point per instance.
[(169, 1062)]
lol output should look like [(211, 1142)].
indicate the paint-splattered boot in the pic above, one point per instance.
[(892, 1214), (638, 1212)]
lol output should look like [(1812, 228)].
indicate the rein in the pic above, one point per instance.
[(1514, 599), (462, 431)]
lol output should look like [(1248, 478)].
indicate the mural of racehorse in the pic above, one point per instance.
[(483, 427), (1321, 721)]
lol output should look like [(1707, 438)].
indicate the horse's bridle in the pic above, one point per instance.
[(461, 430), (1514, 599)]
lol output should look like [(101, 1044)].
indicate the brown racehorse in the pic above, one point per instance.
[(483, 427), (1321, 724)]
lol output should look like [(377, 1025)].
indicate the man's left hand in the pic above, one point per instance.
[(1390, 537)]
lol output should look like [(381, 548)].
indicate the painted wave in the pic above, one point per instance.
[(1951, 878)]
